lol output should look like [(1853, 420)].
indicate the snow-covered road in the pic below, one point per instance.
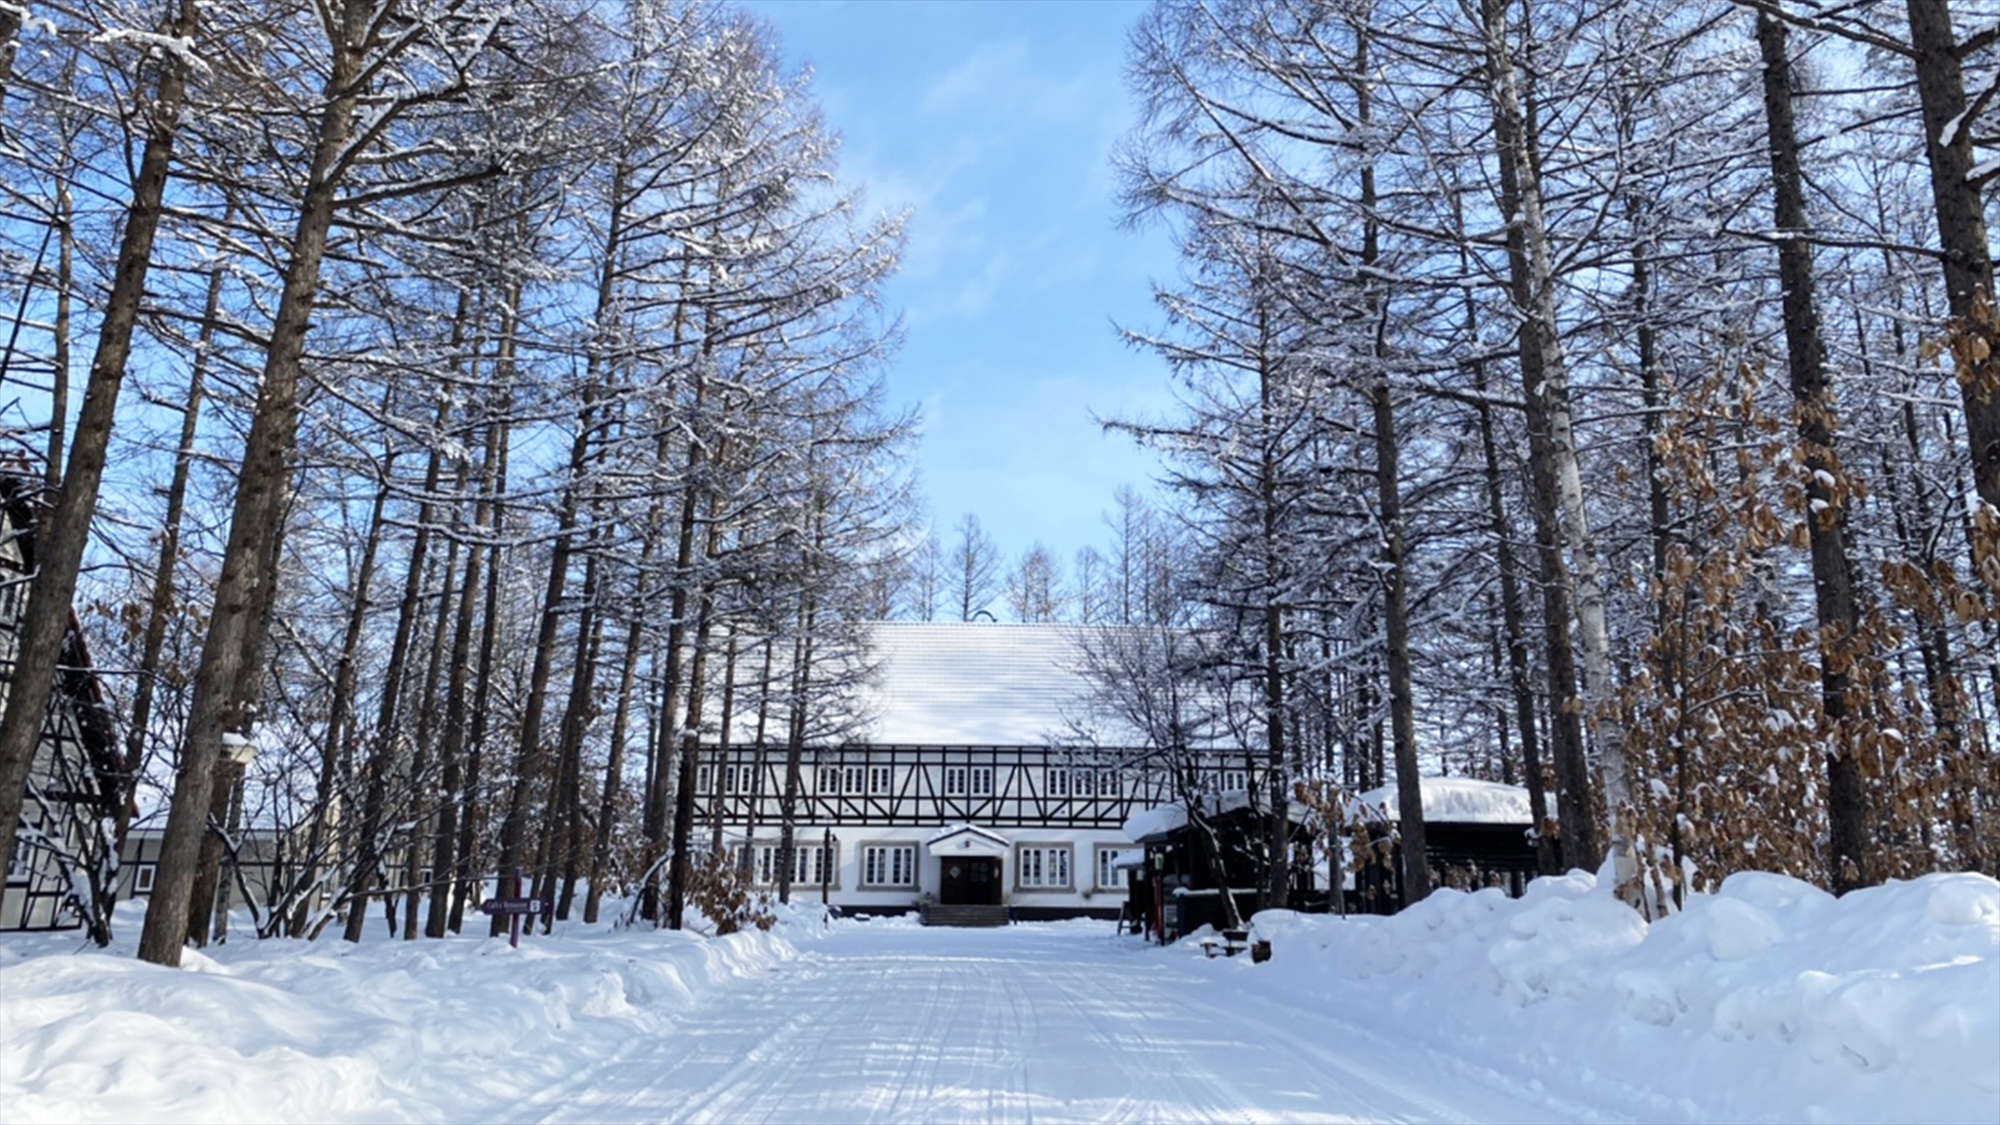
[(1029, 1023)]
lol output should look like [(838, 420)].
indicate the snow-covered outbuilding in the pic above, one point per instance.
[(978, 772), (1476, 833), (1175, 890)]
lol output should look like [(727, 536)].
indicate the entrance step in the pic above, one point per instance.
[(940, 914)]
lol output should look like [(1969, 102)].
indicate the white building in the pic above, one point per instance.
[(967, 784)]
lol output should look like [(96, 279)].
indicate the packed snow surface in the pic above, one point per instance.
[(1769, 1001)]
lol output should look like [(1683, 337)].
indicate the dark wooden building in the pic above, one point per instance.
[(1173, 887), (1476, 834)]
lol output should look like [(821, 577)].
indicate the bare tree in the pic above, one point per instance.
[(975, 568), (1035, 591)]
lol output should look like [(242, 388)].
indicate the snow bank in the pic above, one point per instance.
[(462, 1029), (1769, 1000)]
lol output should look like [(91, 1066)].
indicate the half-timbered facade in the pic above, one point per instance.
[(61, 873), (981, 773)]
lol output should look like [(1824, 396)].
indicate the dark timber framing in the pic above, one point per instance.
[(1028, 787)]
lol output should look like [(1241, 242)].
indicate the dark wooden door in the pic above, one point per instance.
[(969, 881)]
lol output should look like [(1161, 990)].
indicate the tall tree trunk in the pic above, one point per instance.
[(259, 498), (760, 759), (1513, 621), (384, 745), (160, 602), (528, 751), (722, 740), (614, 767), (239, 718), (456, 797), (795, 744), (1826, 507), (1389, 506), (1545, 383), (1961, 219), (65, 277), (467, 861), (62, 537), (1277, 777), (690, 754), (568, 795), (665, 770), (424, 810)]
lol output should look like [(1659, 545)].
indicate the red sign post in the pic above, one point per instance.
[(514, 909)]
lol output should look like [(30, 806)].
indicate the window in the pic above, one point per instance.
[(982, 781), (1058, 782), (809, 865), (852, 780), (703, 777), (1084, 784), (1044, 867), (142, 879), (1109, 878), (1107, 784), (829, 781), (10, 600), (954, 781), (880, 780), (1233, 780), (889, 865), (729, 779)]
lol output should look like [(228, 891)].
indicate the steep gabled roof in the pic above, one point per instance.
[(978, 684)]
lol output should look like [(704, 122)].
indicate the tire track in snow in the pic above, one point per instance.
[(1033, 1023)]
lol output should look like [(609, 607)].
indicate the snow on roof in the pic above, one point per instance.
[(1156, 823), (978, 684), (950, 830), (1153, 825), (1455, 800)]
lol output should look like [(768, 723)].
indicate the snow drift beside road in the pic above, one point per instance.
[(454, 1030), (1769, 1000)]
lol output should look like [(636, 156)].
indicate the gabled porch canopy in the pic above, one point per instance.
[(968, 840)]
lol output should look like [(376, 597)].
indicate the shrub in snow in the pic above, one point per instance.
[(722, 893)]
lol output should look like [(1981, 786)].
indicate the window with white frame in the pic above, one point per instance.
[(881, 780), (981, 780), (1043, 866), (1058, 781), (1233, 780), (1108, 784), (142, 879), (954, 781), (1109, 877), (853, 780), (1084, 783), (809, 865), (888, 865), (829, 781), (703, 776)]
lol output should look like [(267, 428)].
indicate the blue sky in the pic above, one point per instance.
[(994, 124)]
